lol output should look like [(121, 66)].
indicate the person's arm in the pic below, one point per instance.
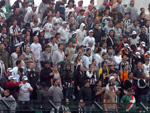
[(98, 93), (88, 74), (105, 106)]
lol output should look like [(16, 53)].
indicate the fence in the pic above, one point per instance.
[(71, 107)]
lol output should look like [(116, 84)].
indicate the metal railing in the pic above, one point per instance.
[(49, 106)]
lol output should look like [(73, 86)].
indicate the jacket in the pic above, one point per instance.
[(133, 12), (61, 8), (67, 77), (97, 35)]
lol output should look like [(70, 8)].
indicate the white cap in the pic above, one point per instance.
[(11, 77), (134, 33), (112, 77), (64, 22), (147, 53), (90, 31), (74, 32), (139, 49), (9, 70), (126, 45), (24, 78), (138, 54), (143, 43), (34, 5)]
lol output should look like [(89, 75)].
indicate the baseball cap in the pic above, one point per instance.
[(9, 70), (74, 32), (34, 5), (143, 43), (134, 33), (64, 22), (147, 53), (129, 90), (90, 31), (24, 78), (11, 77), (112, 77), (126, 45), (138, 54)]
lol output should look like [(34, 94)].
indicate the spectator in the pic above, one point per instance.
[(119, 7)]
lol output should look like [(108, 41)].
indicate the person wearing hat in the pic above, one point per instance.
[(142, 88), (28, 16), (63, 33), (128, 101), (23, 9), (141, 47), (110, 97), (73, 39), (89, 40), (79, 7)]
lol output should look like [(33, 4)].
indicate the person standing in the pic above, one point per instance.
[(36, 50), (110, 97)]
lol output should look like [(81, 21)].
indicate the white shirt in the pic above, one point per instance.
[(98, 58), (36, 49), (146, 69), (117, 60), (48, 34), (63, 35), (15, 74), (87, 40), (24, 94)]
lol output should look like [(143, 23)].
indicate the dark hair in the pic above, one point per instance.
[(86, 81), (46, 46), (98, 50), (57, 34), (19, 54), (103, 63), (141, 8), (117, 51), (21, 70), (88, 49), (78, 68), (60, 44), (54, 80), (18, 62), (104, 54)]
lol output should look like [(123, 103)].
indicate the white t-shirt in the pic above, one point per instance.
[(15, 74), (36, 49), (24, 94), (48, 34)]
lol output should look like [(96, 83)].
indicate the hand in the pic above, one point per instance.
[(104, 88), (31, 60), (38, 87), (78, 88), (72, 82), (35, 61), (51, 74), (30, 90)]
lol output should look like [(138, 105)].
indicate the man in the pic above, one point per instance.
[(119, 7), (33, 79), (58, 55), (110, 97), (15, 70), (118, 32), (3, 34), (97, 34), (56, 93), (86, 95), (87, 59), (36, 50), (63, 33), (108, 27), (24, 94), (15, 33), (28, 16), (46, 74), (74, 40), (132, 10), (60, 6), (80, 107), (79, 7), (81, 13), (89, 41), (23, 9), (128, 101)]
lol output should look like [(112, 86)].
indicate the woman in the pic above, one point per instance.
[(69, 9), (117, 59), (79, 79), (28, 58), (68, 81), (110, 40), (56, 76), (57, 20), (104, 73), (14, 55), (26, 41), (78, 61)]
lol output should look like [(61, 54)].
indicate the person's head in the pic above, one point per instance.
[(80, 3), (119, 1), (94, 62), (57, 13), (143, 30), (129, 91), (82, 11), (74, 34), (68, 67), (125, 38), (81, 103), (64, 24), (104, 64), (130, 75), (17, 49), (49, 18), (104, 45), (51, 5), (70, 4), (110, 23), (43, 85), (86, 83), (98, 50), (107, 11), (27, 49), (67, 101), (104, 56), (60, 46), (127, 15), (111, 86), (4, 30), (90, 7), (110, 50), (18, 63), (20, 71), (79, 68), (117, 25), (67, 57), (6, 93), (14, 22), (96, 26), (142, 10), (146, 61), (125, 68), (9, 71), (2, 46), (55, 68), (91, 67), (31, 66), (36, 39), (132, 2), (69, 44), (20, 56), (47, 48), (147, 23), (111, 33), (111, 66), (97, 20), (99, 83), (139, 64), (143, 75), (24, 79), (16, 11), (27, 38), (57, 35), (34, 7), (88, 51), (135, 23), (47, 64), (124, 57), (142, 15), (56, 82)]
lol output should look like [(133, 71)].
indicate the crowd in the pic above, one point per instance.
[(65, 52)]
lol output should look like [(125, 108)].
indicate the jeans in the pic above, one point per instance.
[(87, 109), (142, 98), (111, 111), (68, 93)]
